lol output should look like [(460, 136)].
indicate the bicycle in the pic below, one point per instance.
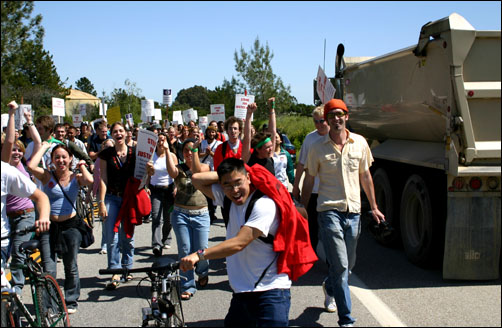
[(48, 300), (86, 208), (165, 308)]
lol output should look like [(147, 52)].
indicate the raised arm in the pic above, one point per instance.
[(39, 172), (246, 142), (84, 178), (203, 182), (272, 126), (171, 161), (10, 133)]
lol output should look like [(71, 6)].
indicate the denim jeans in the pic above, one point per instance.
[(72, 238), (162, 200), (339, 233), (18, 258), (192, 234), (259, 309), (117, 243)]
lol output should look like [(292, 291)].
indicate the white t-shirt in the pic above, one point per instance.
[(246, 267), (311, 138), (14, 182), (161, 176), (212, 146), (281, 168)]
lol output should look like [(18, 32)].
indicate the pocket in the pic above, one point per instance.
[(354, 160)]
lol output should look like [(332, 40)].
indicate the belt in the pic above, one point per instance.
[(160, 187), (115, 193), (17, 213), (191, 212)]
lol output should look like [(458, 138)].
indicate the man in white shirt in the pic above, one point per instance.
[(17, 184), (261, 296)]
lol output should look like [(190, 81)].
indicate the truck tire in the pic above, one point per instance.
[(416, 221), (384, 195)]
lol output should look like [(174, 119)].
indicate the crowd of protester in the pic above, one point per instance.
[(190, 174)]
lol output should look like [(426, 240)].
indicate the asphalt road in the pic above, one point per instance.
[(386, 291)]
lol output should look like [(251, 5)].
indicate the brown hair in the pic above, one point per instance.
[(46, 122), (259, 137), (231, 120)]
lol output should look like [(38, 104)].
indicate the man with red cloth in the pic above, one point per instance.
[(259, 269)]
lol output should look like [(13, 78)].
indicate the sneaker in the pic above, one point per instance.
[(167, 246), (157, 251), (72, 310), (103, 251), (329, 301), (347, 325)]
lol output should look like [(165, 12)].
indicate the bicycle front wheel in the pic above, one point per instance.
[(51, 304), (177, 319)]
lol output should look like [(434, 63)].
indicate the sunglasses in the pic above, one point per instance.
[(336, 114), (319, 121)]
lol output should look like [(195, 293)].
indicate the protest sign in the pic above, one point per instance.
[(241, 105), (19, 115), (58, 107), (82, 109), (129, 119), (167, 98), (147, 109), (5, 119), (178, 117), (113, 115), (217, 112), (103, 109), (77, 120), (158, 114), (189, 115), (203, 123), (147, 140), (325, 90)]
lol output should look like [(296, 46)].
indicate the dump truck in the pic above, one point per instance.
[(431, 115)]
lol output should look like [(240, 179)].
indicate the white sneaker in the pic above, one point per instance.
[(329, 301), (72, 310)]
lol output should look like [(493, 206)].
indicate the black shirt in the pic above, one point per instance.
[(117, 172)]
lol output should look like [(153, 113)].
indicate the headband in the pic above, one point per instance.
[(261, 143)]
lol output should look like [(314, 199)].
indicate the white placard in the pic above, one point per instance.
[(178, 117), (241, 106), (218, 112), (203, 123), (58, 107), (129, 119), (147, 140), (19, 115), (147, 109), (82, 109), (167, 98), (77, 120), (101, 111), (189, 115), (325, 90), (158, 114), (5, 120)]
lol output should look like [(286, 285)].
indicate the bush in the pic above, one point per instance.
[(296, 127)]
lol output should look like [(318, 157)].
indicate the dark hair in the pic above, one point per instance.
[(47, 122), (259, 137), (187, 141), (230, 165), (231, 120), (64, 147)]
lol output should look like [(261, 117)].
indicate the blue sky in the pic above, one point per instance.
[(176, 45)]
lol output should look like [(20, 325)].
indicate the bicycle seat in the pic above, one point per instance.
[(162, 261), (29, 246)]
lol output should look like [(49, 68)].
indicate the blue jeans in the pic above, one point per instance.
[(72, 238), (18, 258), (259, 309), (339, 233), (116, 242), (192, 234)]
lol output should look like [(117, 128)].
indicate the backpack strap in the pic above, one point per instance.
[(186, 169), (224, 149)]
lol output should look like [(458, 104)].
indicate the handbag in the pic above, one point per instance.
[(84, 226)]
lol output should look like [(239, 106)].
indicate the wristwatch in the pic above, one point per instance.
[(200, 254)]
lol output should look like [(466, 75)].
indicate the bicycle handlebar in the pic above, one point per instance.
[(171, 267), (21, 231)]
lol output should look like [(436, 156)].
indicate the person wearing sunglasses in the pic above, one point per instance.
[(322, 129), (341, 160)]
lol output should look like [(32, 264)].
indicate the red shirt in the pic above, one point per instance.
[(218, 155)]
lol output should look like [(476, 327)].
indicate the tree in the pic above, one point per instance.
[(27, 70), (196, 97), (225, 94), (85, 85), (129, 100), (256, 71)]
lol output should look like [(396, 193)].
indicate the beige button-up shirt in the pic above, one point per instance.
[(338, 172)]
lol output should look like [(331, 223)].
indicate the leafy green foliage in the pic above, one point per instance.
[(85, 85), (27, 70)]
